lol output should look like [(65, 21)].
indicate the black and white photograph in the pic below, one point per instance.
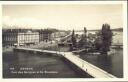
[(62, 41)]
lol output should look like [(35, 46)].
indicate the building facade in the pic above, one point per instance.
[(18, 37), (45, 35), (27, 38)]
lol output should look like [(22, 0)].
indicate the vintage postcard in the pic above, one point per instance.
[(64, 40)]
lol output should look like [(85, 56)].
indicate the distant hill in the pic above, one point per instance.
[(117, 29)]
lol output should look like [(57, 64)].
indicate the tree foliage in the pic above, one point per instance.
[(83, 41), (104, 39), (73, 39), (85, 30), (106, 36)]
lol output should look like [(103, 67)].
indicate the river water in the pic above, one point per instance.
[(16, 63), (37, 65), (113, 63)]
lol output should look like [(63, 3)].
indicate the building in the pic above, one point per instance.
[(27, 38), (45, 35), (19, 37), (9, 37)]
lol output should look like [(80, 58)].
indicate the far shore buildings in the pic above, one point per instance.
[(24, 37), (19, 37), (45, 35)]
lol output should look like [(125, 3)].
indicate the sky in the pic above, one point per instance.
[(63, 16)]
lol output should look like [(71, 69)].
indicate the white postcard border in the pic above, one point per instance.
[(125, 53)]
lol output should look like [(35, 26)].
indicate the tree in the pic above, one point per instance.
[(98, 42), (85, 35), (106, 36), (73, 39), (85, 31), (83, 41)]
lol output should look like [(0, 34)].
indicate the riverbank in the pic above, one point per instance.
[(41, 45), (10, 49)]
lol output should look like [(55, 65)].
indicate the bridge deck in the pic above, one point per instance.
[(86, 66), (82, 64)]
